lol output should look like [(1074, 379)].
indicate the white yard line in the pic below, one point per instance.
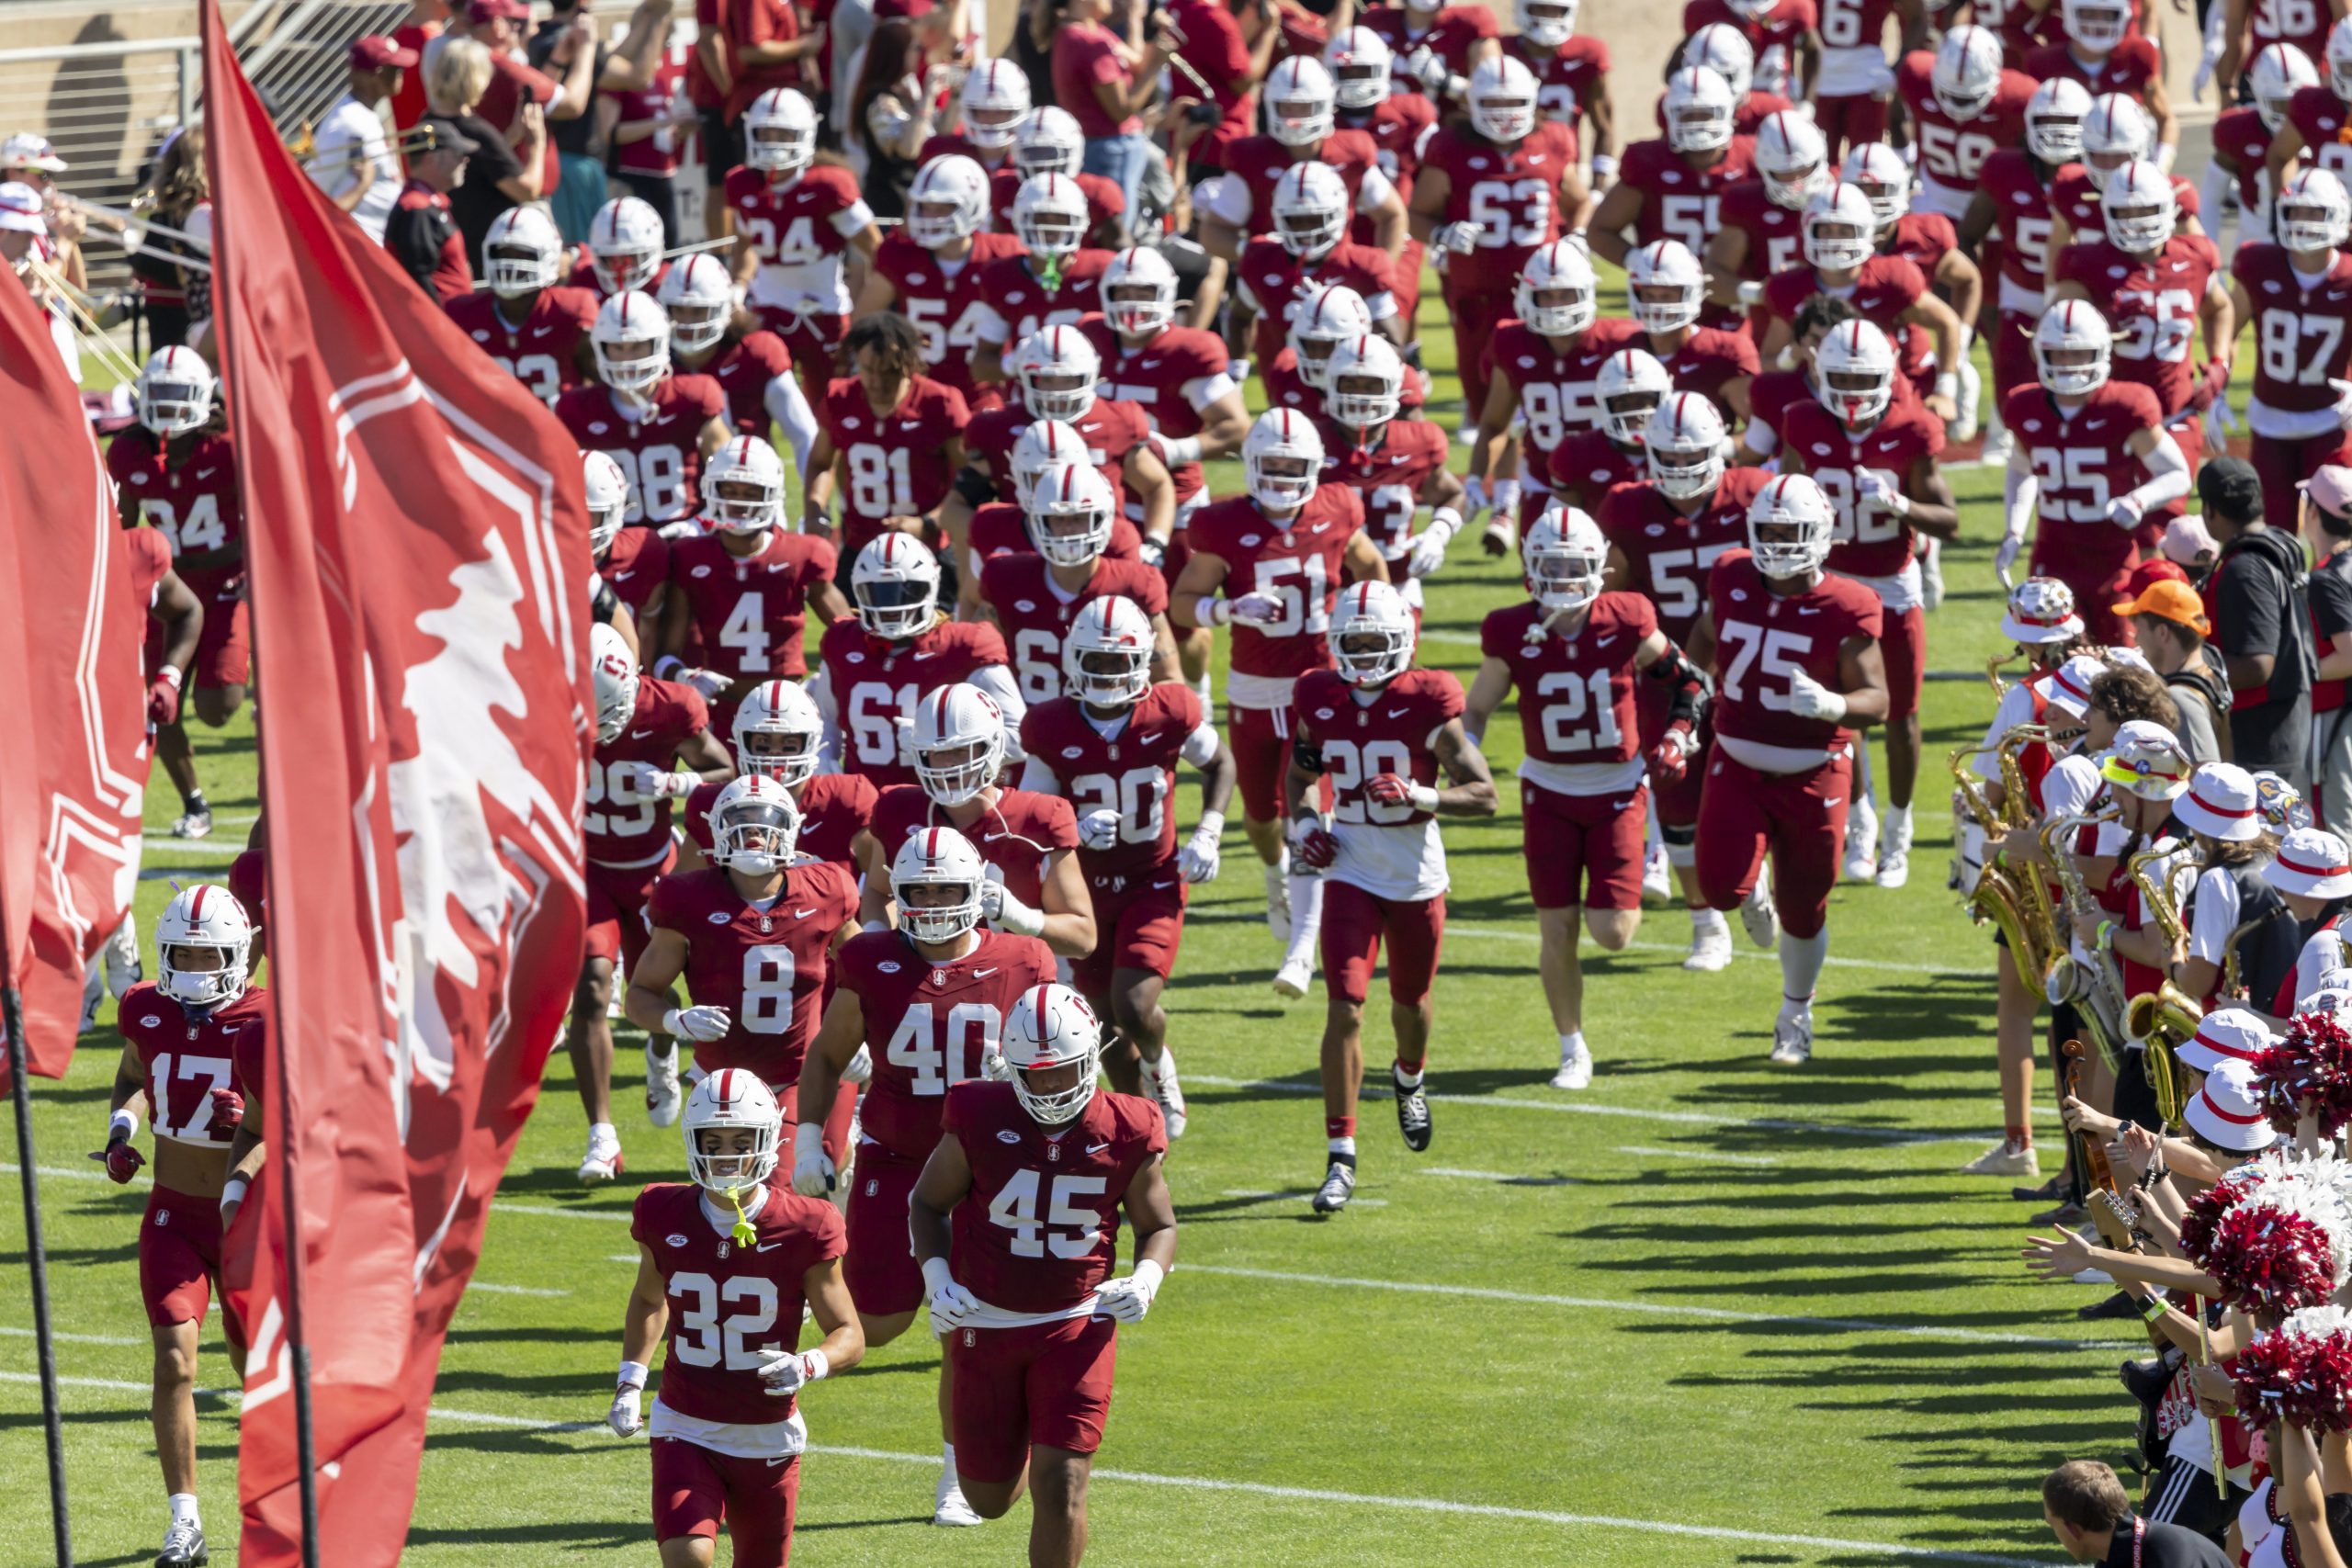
[(1499, 933), (1706, 1154), (513, 1290), (63, 1173), (1501, 1176)]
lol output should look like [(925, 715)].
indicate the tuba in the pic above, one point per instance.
[(2163, 1018)]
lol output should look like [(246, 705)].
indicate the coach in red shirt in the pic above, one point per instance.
[(765, 47)]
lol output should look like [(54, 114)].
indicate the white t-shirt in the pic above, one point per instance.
[(353, 150)]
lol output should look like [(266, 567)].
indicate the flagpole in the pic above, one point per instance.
[(291, 1194), (12, 1013)]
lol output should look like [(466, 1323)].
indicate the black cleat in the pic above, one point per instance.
[(1412, 1114), (183, 1547), (2117, 1306)]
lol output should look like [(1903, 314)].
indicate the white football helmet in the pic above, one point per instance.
[(1070, 513), (625, 244), (1556, 294), (1139, 291), (1282, 460), (1057, 369), (1793, 501), (1665, 286), (2053, 120), (612, 673), (959, 741), (937, 857), (632, 321), (2137, 208), (1840, 228), (698, 296), (1699, 110), (203, 941), (1563, 556), (607, 499), (2338, 61), (1367, 382), (780, 132), (777, 732), (1047, 444), (754, 824), (521, 253), (1855, 367), (1050, 1027), (1546, 24), (1050, 215), (2071, 349), (1359, 60), (1310, 207), (732, 1099), (1883, 176), (2280, 72), (1791, 159), (1967, 71), (949, 201), (2115, 131), (2095, 24), (1106, 653), (996, 100), (1628, 390), (1501, 96), (1371, 634), (743, 487), (1684, 444), (2312, 212), (1048, 143), (894, 586), (175, 391), (1301, 101), (1331, 316), (1724, 50)]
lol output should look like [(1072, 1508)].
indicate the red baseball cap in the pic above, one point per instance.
[(377, 52), (488, 11)]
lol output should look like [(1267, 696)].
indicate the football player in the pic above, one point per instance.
[(1773, 393), (1855, 81), (653, 746), (1872, 450), (709, 336), (1928, 242), (931, 270), (1034, 885), (2012, 203), (1021, 1292), (1573, 651), (795, 221), (1396, 464), (1784, 36), (1036, 597), (1592, 463), (925, 1005), (2316, 113), (1306, 248), (2252, 31), (1725, 50), (624, 251), (780, 734), (726, 1427), (1296, 378), (1667, 290), (2241, 155), (1572, 75), (1381, 730), (176, 470), (532, 326), (191, 1055), (1796, 654), (1840, 235), (1759, 219), (2298, 296), (1671, 186), (1269, 564), (1049, 142), (2115, 133), (1110, 747), (1302, 112), (1400, 125), (989, 108), (1434, 49), (890, 437), (1964, 106), (1001, 527), (1056, 279), (657, 423), (634, 562), (2103, 51)]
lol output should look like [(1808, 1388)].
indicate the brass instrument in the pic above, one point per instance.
[(416, 139), (2162, 1019), (2095, 986), (1994, 665), (2013, 898)]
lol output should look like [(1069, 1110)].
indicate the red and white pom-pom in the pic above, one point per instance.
[(2310, 1070), (2269, 1259), (2300, 1371), (2206, 1209)]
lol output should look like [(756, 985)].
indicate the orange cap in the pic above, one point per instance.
[(2173, 600)]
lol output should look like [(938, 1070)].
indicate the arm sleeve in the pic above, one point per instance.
[(2020, 492), (2168, 476), (1201, 745), (1374, 192), (1037, 778), (1232, 203), (2215, 915), (789, 408), (828, 743), (1202, 390), (997, 681)]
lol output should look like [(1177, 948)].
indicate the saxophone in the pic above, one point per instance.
[(2166, 1015), (1994, 665), (2094, 986), (2016, 901)]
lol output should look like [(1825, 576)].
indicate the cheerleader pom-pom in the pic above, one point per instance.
[(2299, 1373), (2205, 1211), (2310, 1070), (2271, 1261)]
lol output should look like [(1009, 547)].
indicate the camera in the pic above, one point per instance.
[(1204, 114)]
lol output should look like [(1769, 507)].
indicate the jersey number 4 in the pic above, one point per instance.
[(938, 1056)]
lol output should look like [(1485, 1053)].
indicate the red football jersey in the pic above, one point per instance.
[(727, 1301), (187, 1055), (1870, 543), (2081, 462), (897, 465), (1001, 528), (625, 829), (1679, 201), (1780, 25), (1296, 560), (1589, 464), (1017, 834), (1171, 377), (1775, 234), (1883, 288), (1112, 429), (795, 225), (1923, 239), (2128, 69), (1576, 693), (931, 1023), (750, 611), (1761, 638), (1036, 613), (2298, 327), (1510, 193), (1388, 477), (1276, 283), (2073, 198), (1556, 390), (2241, 136), (834, 808), (743, 370), (540, 351), (2290, 21), (943, 299), (2150, 306), (1669, 556), (660, 454), (1018, 305), (765, 966), (1952, 152), (1451, 37), (636, 566), (1773, 393), (1566, 78), (1712, 360), (1400, 126), (1132, 773), (1389, 733), (875, 683), (2013, 178), (1105, 200), (193, 503), (1286, 389), (1260, 162)]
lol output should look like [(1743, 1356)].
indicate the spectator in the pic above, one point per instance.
[(2188, 549), (2169, 621), (22, 229), (909, 77), (179, 186), (636, 66), (2327, 504), (2260, 626), (497, 25), (1104, 83), (765, 47), (354, 164), (653, 124), (428, 21), (497, 176), (1209, 39), (2087, 1510), (710, 78), (421, 233), (30, 160), (849, 27)]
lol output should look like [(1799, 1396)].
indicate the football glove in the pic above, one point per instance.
[(1126, 1300), (227, 1109), (700, 1025), (1311, 844), (1099, 830), (1200, 858), (812, 1171), (164, 696), (1808, 698), (1671, 758), (1260, 610), (626, 1418), (1395, 789), (122, 1160), (952, 1306)]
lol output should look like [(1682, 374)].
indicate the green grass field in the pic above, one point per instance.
[(1706, 1312)]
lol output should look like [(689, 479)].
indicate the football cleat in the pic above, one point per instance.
[(1338, 1185), (1575, 1061), (183, 1546), (2003, 1158), (1757, 914), (196, 823), (1292, 978), (603, 1162), (1861, 840), (1278, 905), (1657, 875), (947, 1504), (1161, 1076), (1792, 1040), (1412, 1114), (662, 1097), (1710, 949)]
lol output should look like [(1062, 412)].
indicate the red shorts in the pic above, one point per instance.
[(179, 1258), (1355, 923), (1138, 924), (1048, 1383), (1845, 121), (2012, 347), (2096, 590), (617, 899), (1677, 804), (1261, 742), (1903, 644), (1476, 317), (880, 1268), (1575, 842), (696, 1490), (225, 649), (1799, 818), (815, 341), (2283, 465)]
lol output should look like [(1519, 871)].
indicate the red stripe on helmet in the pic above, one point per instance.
[(196, 905)]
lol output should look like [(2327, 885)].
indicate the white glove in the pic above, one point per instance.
[(994, 1068), (1002, 907), (1459, 238), (812, 1171), (1256, 610), (626, 1418), (861, 1066), (1126, 1301), (675, 786), (1098, 829), (700, 1025), (627, 781), (784, 1373), (2343, 402), (1428, 550), (1808, 698), (709, 682), (1870, 486), (684, 528), (951, 1306), (1473, 496), (2006, 558), (1200, 858), (2124, 513)]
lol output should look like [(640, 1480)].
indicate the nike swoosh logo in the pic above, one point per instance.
[(1096, 1148), (927, 654), (983, 974), (2094, 423), (640, 735), (1318, 527), (1398, 713), (1147, 739), (802, 914), (767, 1247), (1808, 609), (206, 473)]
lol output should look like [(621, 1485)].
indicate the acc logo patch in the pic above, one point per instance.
[(701, 571), (482, 336), (889, 967), (597, 428), (850, 422), (856, 658), (1073, 753), (1322, 713), (719, 917), (674, 1239), (1007, 1135), (151, 1021), (1249, 541), (1024, 605), (917, 277), (1739, 595)]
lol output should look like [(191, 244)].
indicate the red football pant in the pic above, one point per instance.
[(1904, 646), (2012, 349), (1798, 818), (1356, 923), (814, 342), (880, 1268), (1140, 922), (1848, 121), (617, 897), (1261, 742), (1580, 849), (2096, 594), (179, 1258), (1476, 317), (695, 1491), (1048, 1383), (2283, 465), (224, 654)]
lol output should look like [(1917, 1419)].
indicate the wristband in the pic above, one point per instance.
[(937, 1276), (2154, 1308), (1749, 293), (1947, 383), (1220, 611), (816, 1364), (123, 1123), (234, 1191), (1148, 1275), (1212, 823), (1422, 798), (666, 667), (1604, 164), (1180, 449), (669, 1022), (171, 672), (1447, 518), (632, 1375), (2105, 937)]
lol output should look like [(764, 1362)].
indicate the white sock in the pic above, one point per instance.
[(1405, 1079), (1306, 918), (1571, 1043), (1864, 789), (602, 1133), (183, 1507), (1204, 688), (1895, 827), (1338, 1146), (1705, 921), (1801, 961), (947, 1466)]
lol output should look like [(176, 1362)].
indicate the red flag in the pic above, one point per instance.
[(74, 705), (417, 555)]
